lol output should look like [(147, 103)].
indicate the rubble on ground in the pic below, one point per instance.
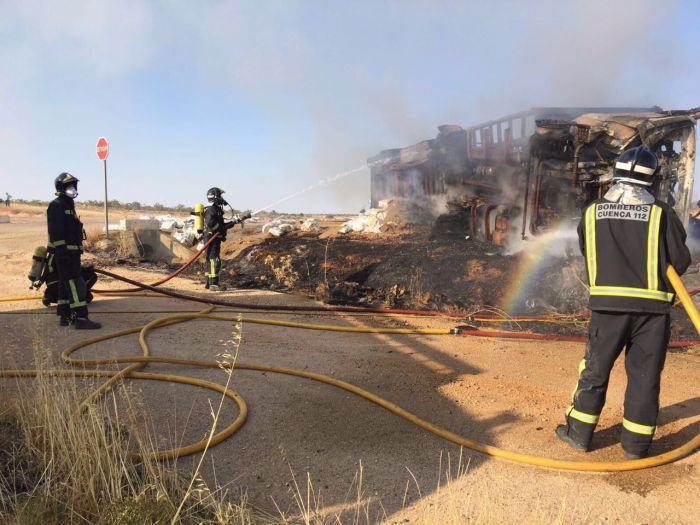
[(181, 229), (186, 237), (391, 214), (168, 223), (416, 269), (368, 222), (279, 227), (310, 225)]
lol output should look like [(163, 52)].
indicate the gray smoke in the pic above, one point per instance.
[(356, 78)]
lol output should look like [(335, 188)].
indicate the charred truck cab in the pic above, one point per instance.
[(527, 173)]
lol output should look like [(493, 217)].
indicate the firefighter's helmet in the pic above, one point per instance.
[(636, 166), (66, 181), (214, 194)]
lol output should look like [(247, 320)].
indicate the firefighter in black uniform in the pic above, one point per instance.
[(214, 223), (65, 247), (628, 239)]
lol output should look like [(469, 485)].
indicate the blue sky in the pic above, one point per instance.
[(263, 98)]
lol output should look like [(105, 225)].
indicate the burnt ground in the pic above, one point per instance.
[(427, 269), (412, 270), (419, 267)]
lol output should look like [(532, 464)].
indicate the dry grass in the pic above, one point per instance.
[(92, 237), (120, 245), (457, 499), (69, 466), (59, 465), (419, 297)]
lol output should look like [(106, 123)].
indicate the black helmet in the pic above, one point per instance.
[(214, 194), (64, 181), (637, 166)]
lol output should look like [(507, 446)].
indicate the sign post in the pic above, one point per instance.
[(102, 153)]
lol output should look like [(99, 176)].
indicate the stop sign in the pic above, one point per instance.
[(102, 148)]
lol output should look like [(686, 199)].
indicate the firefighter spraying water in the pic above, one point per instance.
[(210, 222), (628, 239)]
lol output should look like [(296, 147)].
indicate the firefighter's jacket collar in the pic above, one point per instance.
[(625, 193)]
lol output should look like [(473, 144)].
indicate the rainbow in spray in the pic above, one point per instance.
[(537, 252)]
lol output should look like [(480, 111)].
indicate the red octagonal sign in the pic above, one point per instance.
[(102, 148)]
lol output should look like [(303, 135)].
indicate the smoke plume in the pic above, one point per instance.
[(334, 84)]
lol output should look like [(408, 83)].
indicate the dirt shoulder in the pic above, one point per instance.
[(505, 393)]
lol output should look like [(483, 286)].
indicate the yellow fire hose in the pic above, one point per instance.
[(684, 297), (136, 362), (17, 298)]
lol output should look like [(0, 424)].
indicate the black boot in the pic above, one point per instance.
[(562, 433), (631, 456), (83, 323), (64, 320)]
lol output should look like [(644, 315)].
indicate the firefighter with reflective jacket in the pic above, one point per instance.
[(214, 223), (64, 249), (628, 239)]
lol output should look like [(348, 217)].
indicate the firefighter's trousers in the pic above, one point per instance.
[(72, 290), (51, 292), (645, 339), (213, 262)]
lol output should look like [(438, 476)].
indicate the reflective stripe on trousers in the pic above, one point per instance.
[(637, 428), (75, 297), (591, 419)]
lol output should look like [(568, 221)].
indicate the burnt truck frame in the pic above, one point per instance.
[(525, 173)]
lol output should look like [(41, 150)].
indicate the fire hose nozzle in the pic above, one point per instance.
[(458, 330), (238, 220)]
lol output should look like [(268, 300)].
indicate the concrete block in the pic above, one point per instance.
[(133, 225)]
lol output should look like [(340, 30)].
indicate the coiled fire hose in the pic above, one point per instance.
[(137, 362)]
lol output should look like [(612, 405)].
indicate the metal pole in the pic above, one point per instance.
[(104, 165)]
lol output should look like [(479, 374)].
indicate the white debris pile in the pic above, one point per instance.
[(180, 228), (392, 214), (369, 221), (185, 237), (402, 212), (310, 225), (168, 223), (279, 227)]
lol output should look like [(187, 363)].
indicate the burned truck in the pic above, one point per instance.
[(525, 174)]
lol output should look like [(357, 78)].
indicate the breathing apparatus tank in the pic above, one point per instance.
[(38, 262), (198, 217)]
